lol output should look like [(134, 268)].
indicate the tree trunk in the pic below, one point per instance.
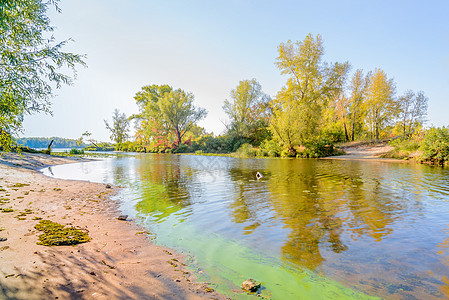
[(346, 132), (353, 127)]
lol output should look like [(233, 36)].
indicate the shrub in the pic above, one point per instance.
[(272, 148), (319, 147), (435, 145), (246, 150), (76, 151)]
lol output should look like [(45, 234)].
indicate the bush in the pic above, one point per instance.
[(246, 150), (182, 149), (333, 133), (435, 145), (76, 151), (319, 147), (272, 148)]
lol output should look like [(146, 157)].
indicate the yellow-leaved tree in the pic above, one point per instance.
[(380, 105)]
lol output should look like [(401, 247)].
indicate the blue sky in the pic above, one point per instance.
[(207, 47)]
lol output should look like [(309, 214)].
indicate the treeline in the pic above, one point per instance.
[(41, 142), (321, 104)]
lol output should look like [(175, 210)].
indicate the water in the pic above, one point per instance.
[(309, 229)]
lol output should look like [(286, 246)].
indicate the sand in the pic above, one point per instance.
[(120, 262), (365, 151)]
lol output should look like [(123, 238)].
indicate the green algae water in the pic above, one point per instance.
[(309, 229)]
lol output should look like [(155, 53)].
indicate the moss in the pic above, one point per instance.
[(6, 210), (24, 214), (16, 185), (56, 234), (2, 190)]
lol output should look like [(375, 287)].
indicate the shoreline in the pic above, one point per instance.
[(120, 261)]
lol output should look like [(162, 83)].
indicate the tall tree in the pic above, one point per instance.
[(248, 111), (30, 63), (412, 111), (309, 87), (358, 92), (165, 111), (119, 128), (380, 103)]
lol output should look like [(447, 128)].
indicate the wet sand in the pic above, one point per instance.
[(119, 262)]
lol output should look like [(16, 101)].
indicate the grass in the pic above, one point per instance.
[(56, 234)]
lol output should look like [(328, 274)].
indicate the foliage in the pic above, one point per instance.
[(412, 111), (319, 147), (56, 234), (435, 145), (166, 115), (41, 142), (248, 111), (270, 148), (76, 151), (358, 91), (119, 128), (246, 150), (129, 147), (100, 147), (380, 104), (311, 86), (30, 63)]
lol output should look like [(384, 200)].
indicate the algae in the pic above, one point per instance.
[(19, 185), (56, 234)]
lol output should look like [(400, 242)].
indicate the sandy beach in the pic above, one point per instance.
[(119, 262)]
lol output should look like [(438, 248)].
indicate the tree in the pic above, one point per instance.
[(297, 109), (120, 127), (248, 111), (358, 91), (412, 111), (30, 63), (380, 103), (166, 113)]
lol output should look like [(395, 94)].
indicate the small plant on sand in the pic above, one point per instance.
[(56, 234), (7, 210), (19, 185)]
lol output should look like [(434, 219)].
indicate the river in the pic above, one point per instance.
[(309, 229)]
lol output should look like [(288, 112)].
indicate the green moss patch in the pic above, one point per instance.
[(56, 234), (6, 210), (19, 185)]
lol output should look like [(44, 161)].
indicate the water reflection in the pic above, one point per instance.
[(373, 226)]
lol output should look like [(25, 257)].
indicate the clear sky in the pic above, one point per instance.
[(206, 47)]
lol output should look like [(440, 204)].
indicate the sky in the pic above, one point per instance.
[(206, 47)]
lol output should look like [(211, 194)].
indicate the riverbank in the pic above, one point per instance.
[(365, 151), (119, 262)]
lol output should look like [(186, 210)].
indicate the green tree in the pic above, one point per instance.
[(380, 104), (248, 111), (298, 107), (412, 111), (30, 63), (119, 128), (165, 112)]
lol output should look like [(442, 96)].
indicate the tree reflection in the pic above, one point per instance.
[(248, 198), (319, 203), (163, 186)]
